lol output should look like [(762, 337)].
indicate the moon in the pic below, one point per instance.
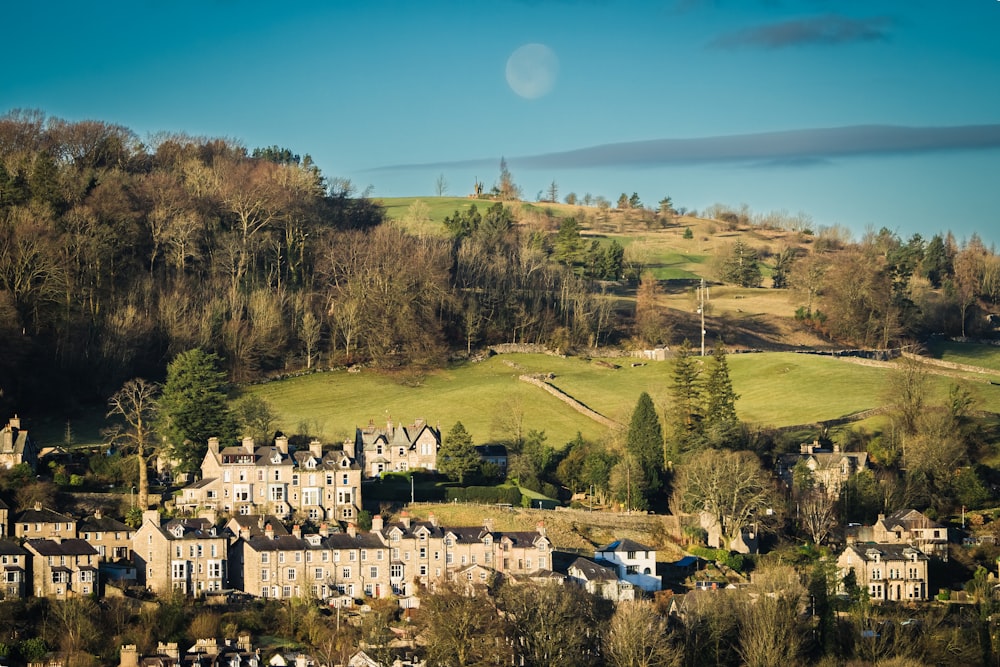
[(532, 70)]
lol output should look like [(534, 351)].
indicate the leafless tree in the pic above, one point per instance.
[(135, 404), (639, 637)]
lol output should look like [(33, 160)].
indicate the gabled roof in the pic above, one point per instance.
[(104, 524), (190, 529), (9, 548), (42, 515), (590, 571), (256, 523), (887, 552), (69, 547), (910, 519), (626, 544)]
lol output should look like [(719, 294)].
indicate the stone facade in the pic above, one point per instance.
[(185, 555), (395, 448), (63, 568), (250, 480), (16, 446), (111, 538), (13, 570), (887, 571), (43, 523)]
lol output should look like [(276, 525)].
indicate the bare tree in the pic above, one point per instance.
[(135, 404), (639, 637), (440, 185), (817, 513), (769, 632), (731, 487)]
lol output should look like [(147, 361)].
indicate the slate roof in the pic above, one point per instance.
[(592, 571), (887, 551), (9, 548), (104, 524), (626, 544), (69, 547), (43, 515)]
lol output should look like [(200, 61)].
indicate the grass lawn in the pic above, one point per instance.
[(972, 354)]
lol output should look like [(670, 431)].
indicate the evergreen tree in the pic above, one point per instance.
[(457, 456), (192, 407), (644, 441), (742, 267), (685, 417), (722, 427)]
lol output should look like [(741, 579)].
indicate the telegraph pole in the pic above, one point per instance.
[(702, 298)]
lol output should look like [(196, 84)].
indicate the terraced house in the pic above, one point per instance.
[(14, 564), (185, 555), (250, 480), (63, 568)]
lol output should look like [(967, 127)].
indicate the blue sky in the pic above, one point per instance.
[(857, 112)]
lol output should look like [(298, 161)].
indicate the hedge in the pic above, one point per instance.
[(484, 495)]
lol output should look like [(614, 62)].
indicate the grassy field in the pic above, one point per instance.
[(776, 389), (984, 356)]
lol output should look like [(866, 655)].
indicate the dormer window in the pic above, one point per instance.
[(311, 463)]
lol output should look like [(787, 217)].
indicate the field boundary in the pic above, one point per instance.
[(569, 400)]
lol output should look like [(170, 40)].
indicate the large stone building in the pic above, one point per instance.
[(111, 538), (829, 469), (63, 568), (189, 556), (887, 571), (245, 479), (41, 522), (395, 448)]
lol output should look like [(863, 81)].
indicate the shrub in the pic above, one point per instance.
[(688, 234), (485, 495)]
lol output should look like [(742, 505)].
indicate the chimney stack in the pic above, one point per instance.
[(352, 529), (541, 528), (98, 514), (378, 523), (281, 442), (324, 530), (316, 449), (433, 519), (268, 531), (152, 516), (296, 531), (248, 444), (129, 656), (404, 518), (243, 642), (213, 445), (488, 525)]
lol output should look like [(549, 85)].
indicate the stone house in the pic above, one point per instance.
[(887, 571), (395, 448), (63, 567), (252, 480), (829, 468), (111, 538), (42, 523), (185, 555), (16, 446), (634, 562), (14, 574), (908, 526)]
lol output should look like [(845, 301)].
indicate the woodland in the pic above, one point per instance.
[(116, 254)]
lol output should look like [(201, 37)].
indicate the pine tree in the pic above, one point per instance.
[(685, 417), (457, 456), (722, 426), (644, 443), (193, 407)]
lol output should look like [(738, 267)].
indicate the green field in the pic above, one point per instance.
[(984, 356), (776, 389)]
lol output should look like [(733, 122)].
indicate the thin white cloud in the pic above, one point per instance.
[(813, 146), (827, 30)]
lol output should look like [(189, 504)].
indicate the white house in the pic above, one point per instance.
[(636, 563)]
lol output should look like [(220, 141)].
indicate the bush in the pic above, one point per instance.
[(484, 495)]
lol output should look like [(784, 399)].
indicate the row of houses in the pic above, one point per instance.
[(256, 554)]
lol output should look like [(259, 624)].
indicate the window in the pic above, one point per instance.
[(423, 553), (265, 557), (281, 556), (264, 575), (318, 573), (277, 492), (215, 569), (373, 572), (290, 574), (449, 558), (179, 569), (396, 571), (423, 570), (286, 591), (364, 554), (345, 573), (352, 555)]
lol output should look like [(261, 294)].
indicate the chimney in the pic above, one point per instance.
[(378, 523), (248, 444), (349, 449), (316, 449), (324, 530), (488, 525), (352, 529), (170, 650), (433, 519), (152, 516), (243, 642), (881, 517), (98, 514), (541, 528), (129, 656), (404, 518), (281, 442), (38, 506), (301, 661), (244, 533), (213, 446), (268, 531), (296, 531), (15, 422), (836, 449)]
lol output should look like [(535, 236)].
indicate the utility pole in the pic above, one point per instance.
[(702, 298)]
